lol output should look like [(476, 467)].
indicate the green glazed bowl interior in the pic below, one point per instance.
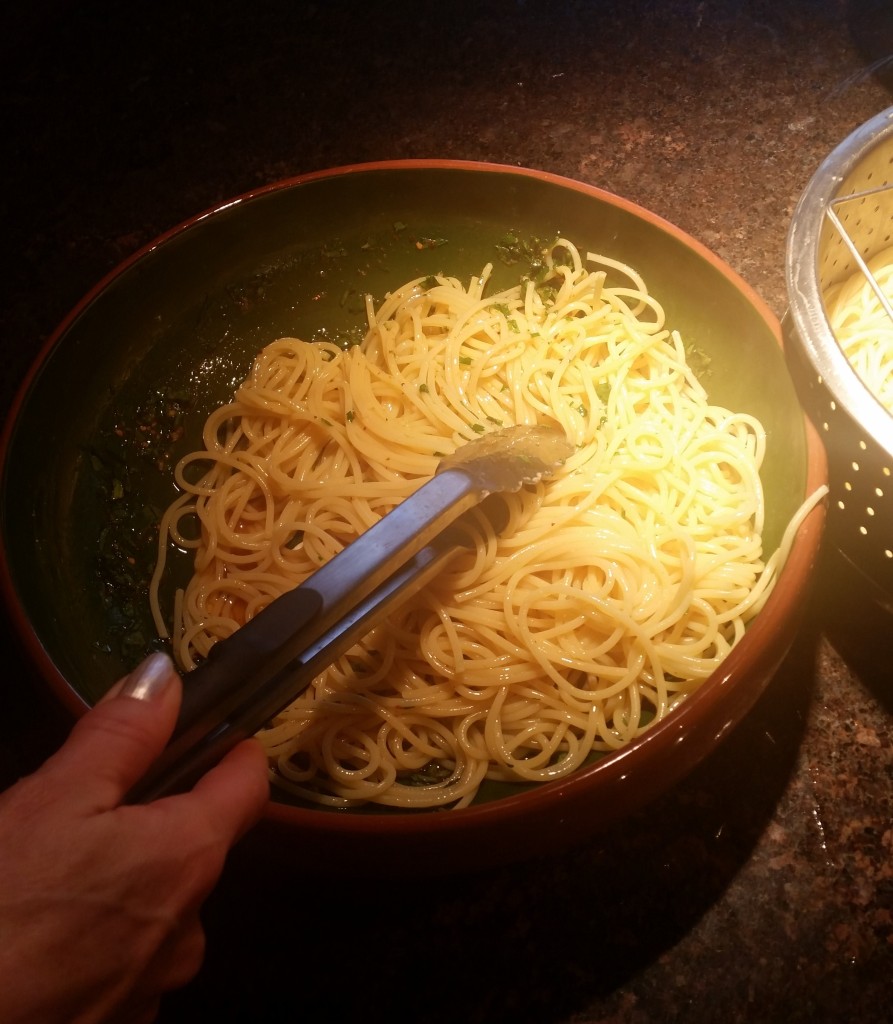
[(84, 472)]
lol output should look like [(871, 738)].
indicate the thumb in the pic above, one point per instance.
[(113, 745)]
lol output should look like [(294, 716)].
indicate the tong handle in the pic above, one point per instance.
[(284, 630), (240, 686)]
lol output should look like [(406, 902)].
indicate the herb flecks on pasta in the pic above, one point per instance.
[(614, 592)]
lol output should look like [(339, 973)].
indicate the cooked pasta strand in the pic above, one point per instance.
[(615, 590)]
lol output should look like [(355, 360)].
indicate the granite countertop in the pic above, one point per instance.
[(761, 888)]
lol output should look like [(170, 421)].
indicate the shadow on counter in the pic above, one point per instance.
[(858, 619)]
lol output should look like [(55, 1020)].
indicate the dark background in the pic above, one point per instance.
[(761, 889)]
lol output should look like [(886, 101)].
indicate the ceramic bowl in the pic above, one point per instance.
[(86, 459)]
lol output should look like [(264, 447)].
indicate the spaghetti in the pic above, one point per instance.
[(863, 327), (614, 592)]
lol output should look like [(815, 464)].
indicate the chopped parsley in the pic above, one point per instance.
[(430, 243)]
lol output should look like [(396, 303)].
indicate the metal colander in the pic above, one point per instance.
[(843, 219)]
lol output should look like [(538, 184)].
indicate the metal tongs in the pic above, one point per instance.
[(250, 676)]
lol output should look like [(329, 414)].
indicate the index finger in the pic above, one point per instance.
[(234, 793)]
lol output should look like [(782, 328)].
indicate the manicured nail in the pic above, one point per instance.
[(149, 679)]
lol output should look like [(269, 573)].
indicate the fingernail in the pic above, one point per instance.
[(149, 679)]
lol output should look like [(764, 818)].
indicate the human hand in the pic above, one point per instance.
[(99, 901)]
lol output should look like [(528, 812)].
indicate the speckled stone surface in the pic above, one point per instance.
[(761, 889)]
